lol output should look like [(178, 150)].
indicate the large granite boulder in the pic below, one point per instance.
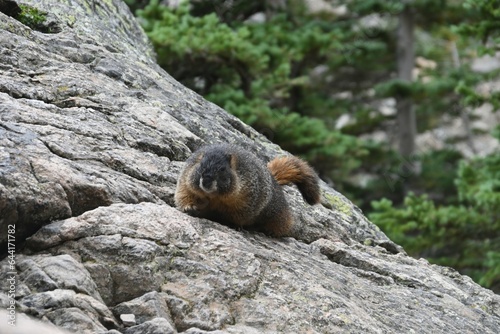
[(92, 137)]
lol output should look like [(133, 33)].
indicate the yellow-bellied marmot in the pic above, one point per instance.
[(228, 184)]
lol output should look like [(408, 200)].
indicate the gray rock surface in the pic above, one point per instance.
[(128, 319), (92, 137), (27, 325)]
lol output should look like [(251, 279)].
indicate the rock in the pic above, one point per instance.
[(218, 278), (70, 310), (147, 307), (128, 319), (60, 271), (486, 64), (93, 135), (74, 319), (194, 330), (155, 326), (25, 324), (102, 277)]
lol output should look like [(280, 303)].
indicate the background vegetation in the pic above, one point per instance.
[(322, 84)]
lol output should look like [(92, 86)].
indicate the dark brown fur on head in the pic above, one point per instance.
[(214, 173)]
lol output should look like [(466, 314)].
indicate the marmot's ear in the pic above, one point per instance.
[(232, 161), (200, 157)]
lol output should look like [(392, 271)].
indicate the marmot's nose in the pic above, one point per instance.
[(208, 184)]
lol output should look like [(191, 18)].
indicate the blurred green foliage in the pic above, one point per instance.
[(292, 74), (465, 235), (463, 231)]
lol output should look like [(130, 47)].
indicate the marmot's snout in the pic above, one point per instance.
[(208, 183)]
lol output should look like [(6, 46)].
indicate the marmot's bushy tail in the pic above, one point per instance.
[(290, 169)]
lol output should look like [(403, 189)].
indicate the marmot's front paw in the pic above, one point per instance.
[(191, 208), (196, 206)]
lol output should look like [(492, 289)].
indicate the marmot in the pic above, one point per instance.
[(228, 184)]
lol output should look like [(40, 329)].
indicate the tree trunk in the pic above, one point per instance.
[(275, 6), (406, 121), (464, 112)]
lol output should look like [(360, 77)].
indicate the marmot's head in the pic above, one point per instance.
[(215, 174)]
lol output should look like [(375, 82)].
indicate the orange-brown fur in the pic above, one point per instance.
[(285, 170), (290, 169)]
